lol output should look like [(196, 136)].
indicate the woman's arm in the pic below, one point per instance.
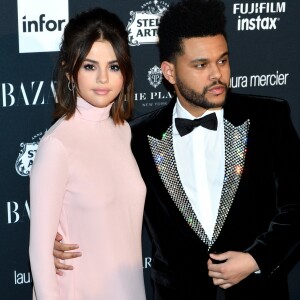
[(47, 188)]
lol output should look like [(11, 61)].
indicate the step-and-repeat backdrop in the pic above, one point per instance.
[(264, 48)]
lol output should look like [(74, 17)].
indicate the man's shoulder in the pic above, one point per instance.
[(255, 100), (240, 107), (155, 120), (246, 104), (145, 119)]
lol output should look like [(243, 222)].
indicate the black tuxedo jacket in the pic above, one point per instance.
[(259, 207)]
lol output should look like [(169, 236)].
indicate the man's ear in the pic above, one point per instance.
[(168, 70)]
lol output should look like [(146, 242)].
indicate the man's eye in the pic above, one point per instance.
[(200, 66), (223, 61)]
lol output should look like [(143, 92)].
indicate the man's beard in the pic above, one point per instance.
[(199, 99)]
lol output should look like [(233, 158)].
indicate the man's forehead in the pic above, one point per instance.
[(207, 46)]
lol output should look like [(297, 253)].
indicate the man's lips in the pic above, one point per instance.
[(217, 89)]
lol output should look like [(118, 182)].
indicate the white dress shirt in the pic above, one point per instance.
[(200, 159)]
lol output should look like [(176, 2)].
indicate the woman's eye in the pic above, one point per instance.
[(89, 67), (115, 68)]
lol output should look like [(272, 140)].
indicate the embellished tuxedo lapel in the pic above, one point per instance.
[(164, 158), (235, 150)]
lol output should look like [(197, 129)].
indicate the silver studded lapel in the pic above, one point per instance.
[(235, 151)]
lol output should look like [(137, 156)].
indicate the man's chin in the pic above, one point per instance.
[(215, 104), (217, 101)]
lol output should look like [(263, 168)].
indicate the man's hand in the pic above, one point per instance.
[(59, 253), (237, 266)]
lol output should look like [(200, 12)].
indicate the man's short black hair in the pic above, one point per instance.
[(188, 19)]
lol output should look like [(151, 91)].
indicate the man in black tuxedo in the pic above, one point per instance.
[(221, 169)]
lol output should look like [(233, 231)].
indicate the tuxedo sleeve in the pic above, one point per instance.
[(271, 248)]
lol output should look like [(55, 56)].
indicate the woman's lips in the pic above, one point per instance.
[(101, 91)]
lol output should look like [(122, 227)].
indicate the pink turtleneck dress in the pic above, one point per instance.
[(85, 183)]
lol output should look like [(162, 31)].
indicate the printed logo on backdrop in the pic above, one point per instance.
[(258, 15), (22, 277), (260, 80), (155, 76), (17, 212), (41, 24), (27, 93), (154, 98), (142, 26), (26, 155)]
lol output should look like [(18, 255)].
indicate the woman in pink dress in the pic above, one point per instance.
[(85, 182)]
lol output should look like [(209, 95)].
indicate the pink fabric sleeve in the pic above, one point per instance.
[(47, 188)]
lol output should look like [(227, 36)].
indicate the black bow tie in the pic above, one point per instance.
[(185, 126)]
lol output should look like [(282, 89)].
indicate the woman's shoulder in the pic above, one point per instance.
[(59, 128), (56, 132), (123, 126), (124, 130)]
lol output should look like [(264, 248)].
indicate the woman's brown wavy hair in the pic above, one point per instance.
[(79, 35)]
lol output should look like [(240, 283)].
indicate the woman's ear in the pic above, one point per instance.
[(168, 70)]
